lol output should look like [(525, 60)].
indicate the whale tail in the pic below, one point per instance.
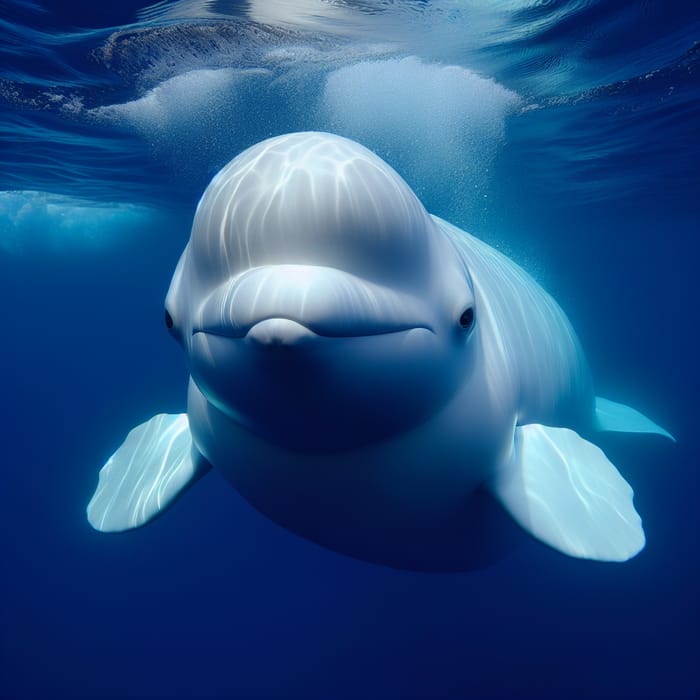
[(616, 417)]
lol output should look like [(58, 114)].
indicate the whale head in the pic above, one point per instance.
[(318, 303)]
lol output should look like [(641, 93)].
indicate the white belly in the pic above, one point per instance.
[(404, 502)]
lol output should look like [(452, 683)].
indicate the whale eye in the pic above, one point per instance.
[(466, 320), (168, 320)]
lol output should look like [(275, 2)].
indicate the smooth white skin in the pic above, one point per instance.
[(332, 383)]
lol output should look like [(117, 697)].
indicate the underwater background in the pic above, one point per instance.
[(565, 133)]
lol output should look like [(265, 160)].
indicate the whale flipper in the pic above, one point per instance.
[(153, 466), (616, 417), (563, 490)]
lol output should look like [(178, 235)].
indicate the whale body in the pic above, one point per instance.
[(363, 373)]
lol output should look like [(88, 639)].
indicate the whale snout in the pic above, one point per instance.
[(290, 304), (279, 331)]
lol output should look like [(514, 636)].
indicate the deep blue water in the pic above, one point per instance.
[(565, 133)]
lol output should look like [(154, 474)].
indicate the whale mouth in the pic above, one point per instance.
[(300, 302), (279, 330)]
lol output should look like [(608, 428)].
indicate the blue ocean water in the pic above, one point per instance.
[(565, 133)]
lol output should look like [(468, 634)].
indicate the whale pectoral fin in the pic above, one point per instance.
[(564, 491), (153, 466), (616, 417)]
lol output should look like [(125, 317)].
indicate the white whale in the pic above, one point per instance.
[(362, 371)]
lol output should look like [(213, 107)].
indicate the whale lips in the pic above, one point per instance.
[(287, 304), (286, 331)]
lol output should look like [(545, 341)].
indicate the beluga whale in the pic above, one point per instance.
[(369, 376)]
